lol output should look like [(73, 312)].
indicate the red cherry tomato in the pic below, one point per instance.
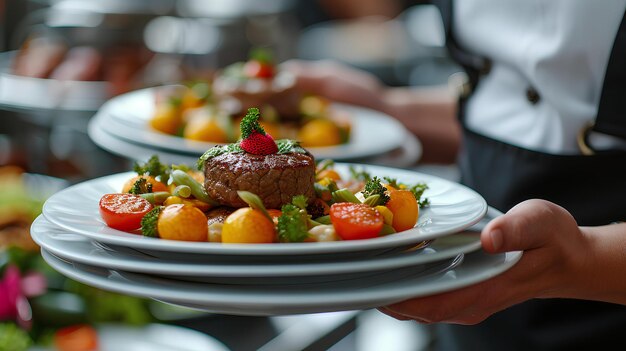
[(257, 69), (355, 221), (123, 211), (76, 338)]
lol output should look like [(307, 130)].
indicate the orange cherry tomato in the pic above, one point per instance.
[(123, 211), (355, 221), (76, 338), (403, 205), (256, 69)]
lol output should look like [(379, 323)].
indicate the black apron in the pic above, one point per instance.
[(592, 188)]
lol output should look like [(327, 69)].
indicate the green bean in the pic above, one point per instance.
[(156, 198), (182, 191), (344, 195), (197, 190)]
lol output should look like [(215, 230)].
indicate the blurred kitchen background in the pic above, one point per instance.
[(61, 59)]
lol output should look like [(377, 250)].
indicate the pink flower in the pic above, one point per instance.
[(14, 291)]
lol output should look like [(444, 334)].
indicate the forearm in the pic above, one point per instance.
[(605, 265), (430, 114)]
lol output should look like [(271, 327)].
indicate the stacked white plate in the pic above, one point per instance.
[(441, 253), (121, 126)]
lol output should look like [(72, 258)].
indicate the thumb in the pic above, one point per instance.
[(526, 226)]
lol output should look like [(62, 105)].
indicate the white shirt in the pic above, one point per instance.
[(558, 47)]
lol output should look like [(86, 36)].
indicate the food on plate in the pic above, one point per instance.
[(256, 165), (211, 110), (260, 190)]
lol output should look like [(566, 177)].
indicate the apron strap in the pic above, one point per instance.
[(611, 117)]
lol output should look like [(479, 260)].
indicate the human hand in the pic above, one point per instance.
[(337, 82), (556, 257)]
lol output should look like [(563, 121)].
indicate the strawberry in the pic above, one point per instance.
[(259, 144), (254, 140)]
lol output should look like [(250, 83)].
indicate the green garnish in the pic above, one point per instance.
[(250, 123), (149, 222), (375, 187), (287, 146), (141, 186), (417, 190), (293, 223), (262, 55), (218, 150), (153, 167)]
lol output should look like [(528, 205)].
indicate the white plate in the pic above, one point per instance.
[(279, 300), (77, 248), (132, 151), (453, 208), (126, 116), (153, 337)]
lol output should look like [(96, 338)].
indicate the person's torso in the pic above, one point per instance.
[(558, 49)]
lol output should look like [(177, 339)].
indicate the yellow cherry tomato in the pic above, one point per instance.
[(166, 119), (319, 132), (182, 222), (405, 210), (204, 128), (248, 226), (387, 214)]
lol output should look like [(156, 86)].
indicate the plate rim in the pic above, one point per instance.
[(273, 301), (256, 269)]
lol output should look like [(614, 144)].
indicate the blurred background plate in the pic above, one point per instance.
[(153, 337), (127, 117)]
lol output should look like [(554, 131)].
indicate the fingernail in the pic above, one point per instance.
[(496, 239)]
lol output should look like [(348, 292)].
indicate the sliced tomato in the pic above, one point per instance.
[(76, 338), (256, 69), (123, 211), (355, 221)]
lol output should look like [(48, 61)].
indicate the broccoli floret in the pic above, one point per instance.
[(375, 187), (153, 167), (300, 201), (149, 222), (293, 224), (141, 186)]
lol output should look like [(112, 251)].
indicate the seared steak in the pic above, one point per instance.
[(275, 178)]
